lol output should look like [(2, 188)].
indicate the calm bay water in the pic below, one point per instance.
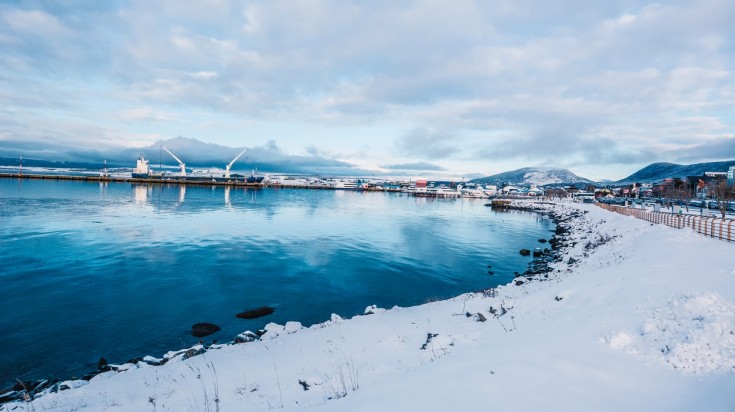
[(121, 270)]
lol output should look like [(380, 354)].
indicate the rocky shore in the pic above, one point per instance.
[(613, 320)]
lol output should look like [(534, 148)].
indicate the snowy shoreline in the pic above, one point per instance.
[(635, 316)]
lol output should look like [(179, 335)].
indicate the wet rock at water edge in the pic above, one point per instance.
[(10, 396), (525, 252), (200, 330), (542, 240), (537, 253), (255, 313)]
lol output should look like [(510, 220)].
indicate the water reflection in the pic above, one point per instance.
[(130, 267), (140, 194)]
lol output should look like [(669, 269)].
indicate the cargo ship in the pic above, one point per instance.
[(143, 171)]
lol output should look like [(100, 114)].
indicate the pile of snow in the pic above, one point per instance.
[(629, 313), (693, 332)]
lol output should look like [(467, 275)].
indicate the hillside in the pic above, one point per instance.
[(534, 175), (657, 172)]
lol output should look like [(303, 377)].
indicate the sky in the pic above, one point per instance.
[(433, 88)]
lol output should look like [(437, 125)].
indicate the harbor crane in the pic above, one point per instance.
[(183, 166), (227, 168)]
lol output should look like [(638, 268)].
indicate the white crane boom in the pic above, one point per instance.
[(227, 168), (183, 166)]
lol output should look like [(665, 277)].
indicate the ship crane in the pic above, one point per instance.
[(227, 168), (183, 166)]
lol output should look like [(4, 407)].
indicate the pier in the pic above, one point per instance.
[(180, 181)]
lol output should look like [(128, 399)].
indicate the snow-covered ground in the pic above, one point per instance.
[(643, 320)]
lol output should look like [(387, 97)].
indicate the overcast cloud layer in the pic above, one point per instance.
[(449, 87)]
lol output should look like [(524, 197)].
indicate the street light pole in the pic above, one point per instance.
[(20, 169)]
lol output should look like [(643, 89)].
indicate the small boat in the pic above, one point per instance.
[(346, 185)]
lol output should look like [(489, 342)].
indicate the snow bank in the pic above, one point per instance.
[(693, 332), (634, 316)]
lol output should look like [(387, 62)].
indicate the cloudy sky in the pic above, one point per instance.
[(436, 88)]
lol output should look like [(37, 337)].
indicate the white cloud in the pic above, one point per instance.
[(469, 76)]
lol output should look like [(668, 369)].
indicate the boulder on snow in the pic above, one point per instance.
[(246, 337), (255, 313), (102, 364), (200, 330)]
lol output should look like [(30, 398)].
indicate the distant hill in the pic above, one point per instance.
[(657, 172), (534, 175), (29, 162)]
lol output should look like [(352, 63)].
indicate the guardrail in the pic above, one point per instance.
[(707, 225)]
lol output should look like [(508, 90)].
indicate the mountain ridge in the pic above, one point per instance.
[(656, 172), (540, 176)]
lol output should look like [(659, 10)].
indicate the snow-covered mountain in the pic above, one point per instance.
[(656, 172), (535, 176)]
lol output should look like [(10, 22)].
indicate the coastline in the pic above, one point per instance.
[(567, 339)]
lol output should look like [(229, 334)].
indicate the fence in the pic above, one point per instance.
[(707, 225)]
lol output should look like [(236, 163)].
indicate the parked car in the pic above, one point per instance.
[(696, 203)]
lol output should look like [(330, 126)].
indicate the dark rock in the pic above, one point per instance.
[(537, 253), (23, 386), (40, 385), (479, 317), (558, 298), (572, 261), (200, 330), (101, 364), (497, 312), (304, 384), (519, 282), (246, 337), (542, 240), (525, 252), (153, 362), (429, 337), (255, 313), (191, 352), (10, 396)]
